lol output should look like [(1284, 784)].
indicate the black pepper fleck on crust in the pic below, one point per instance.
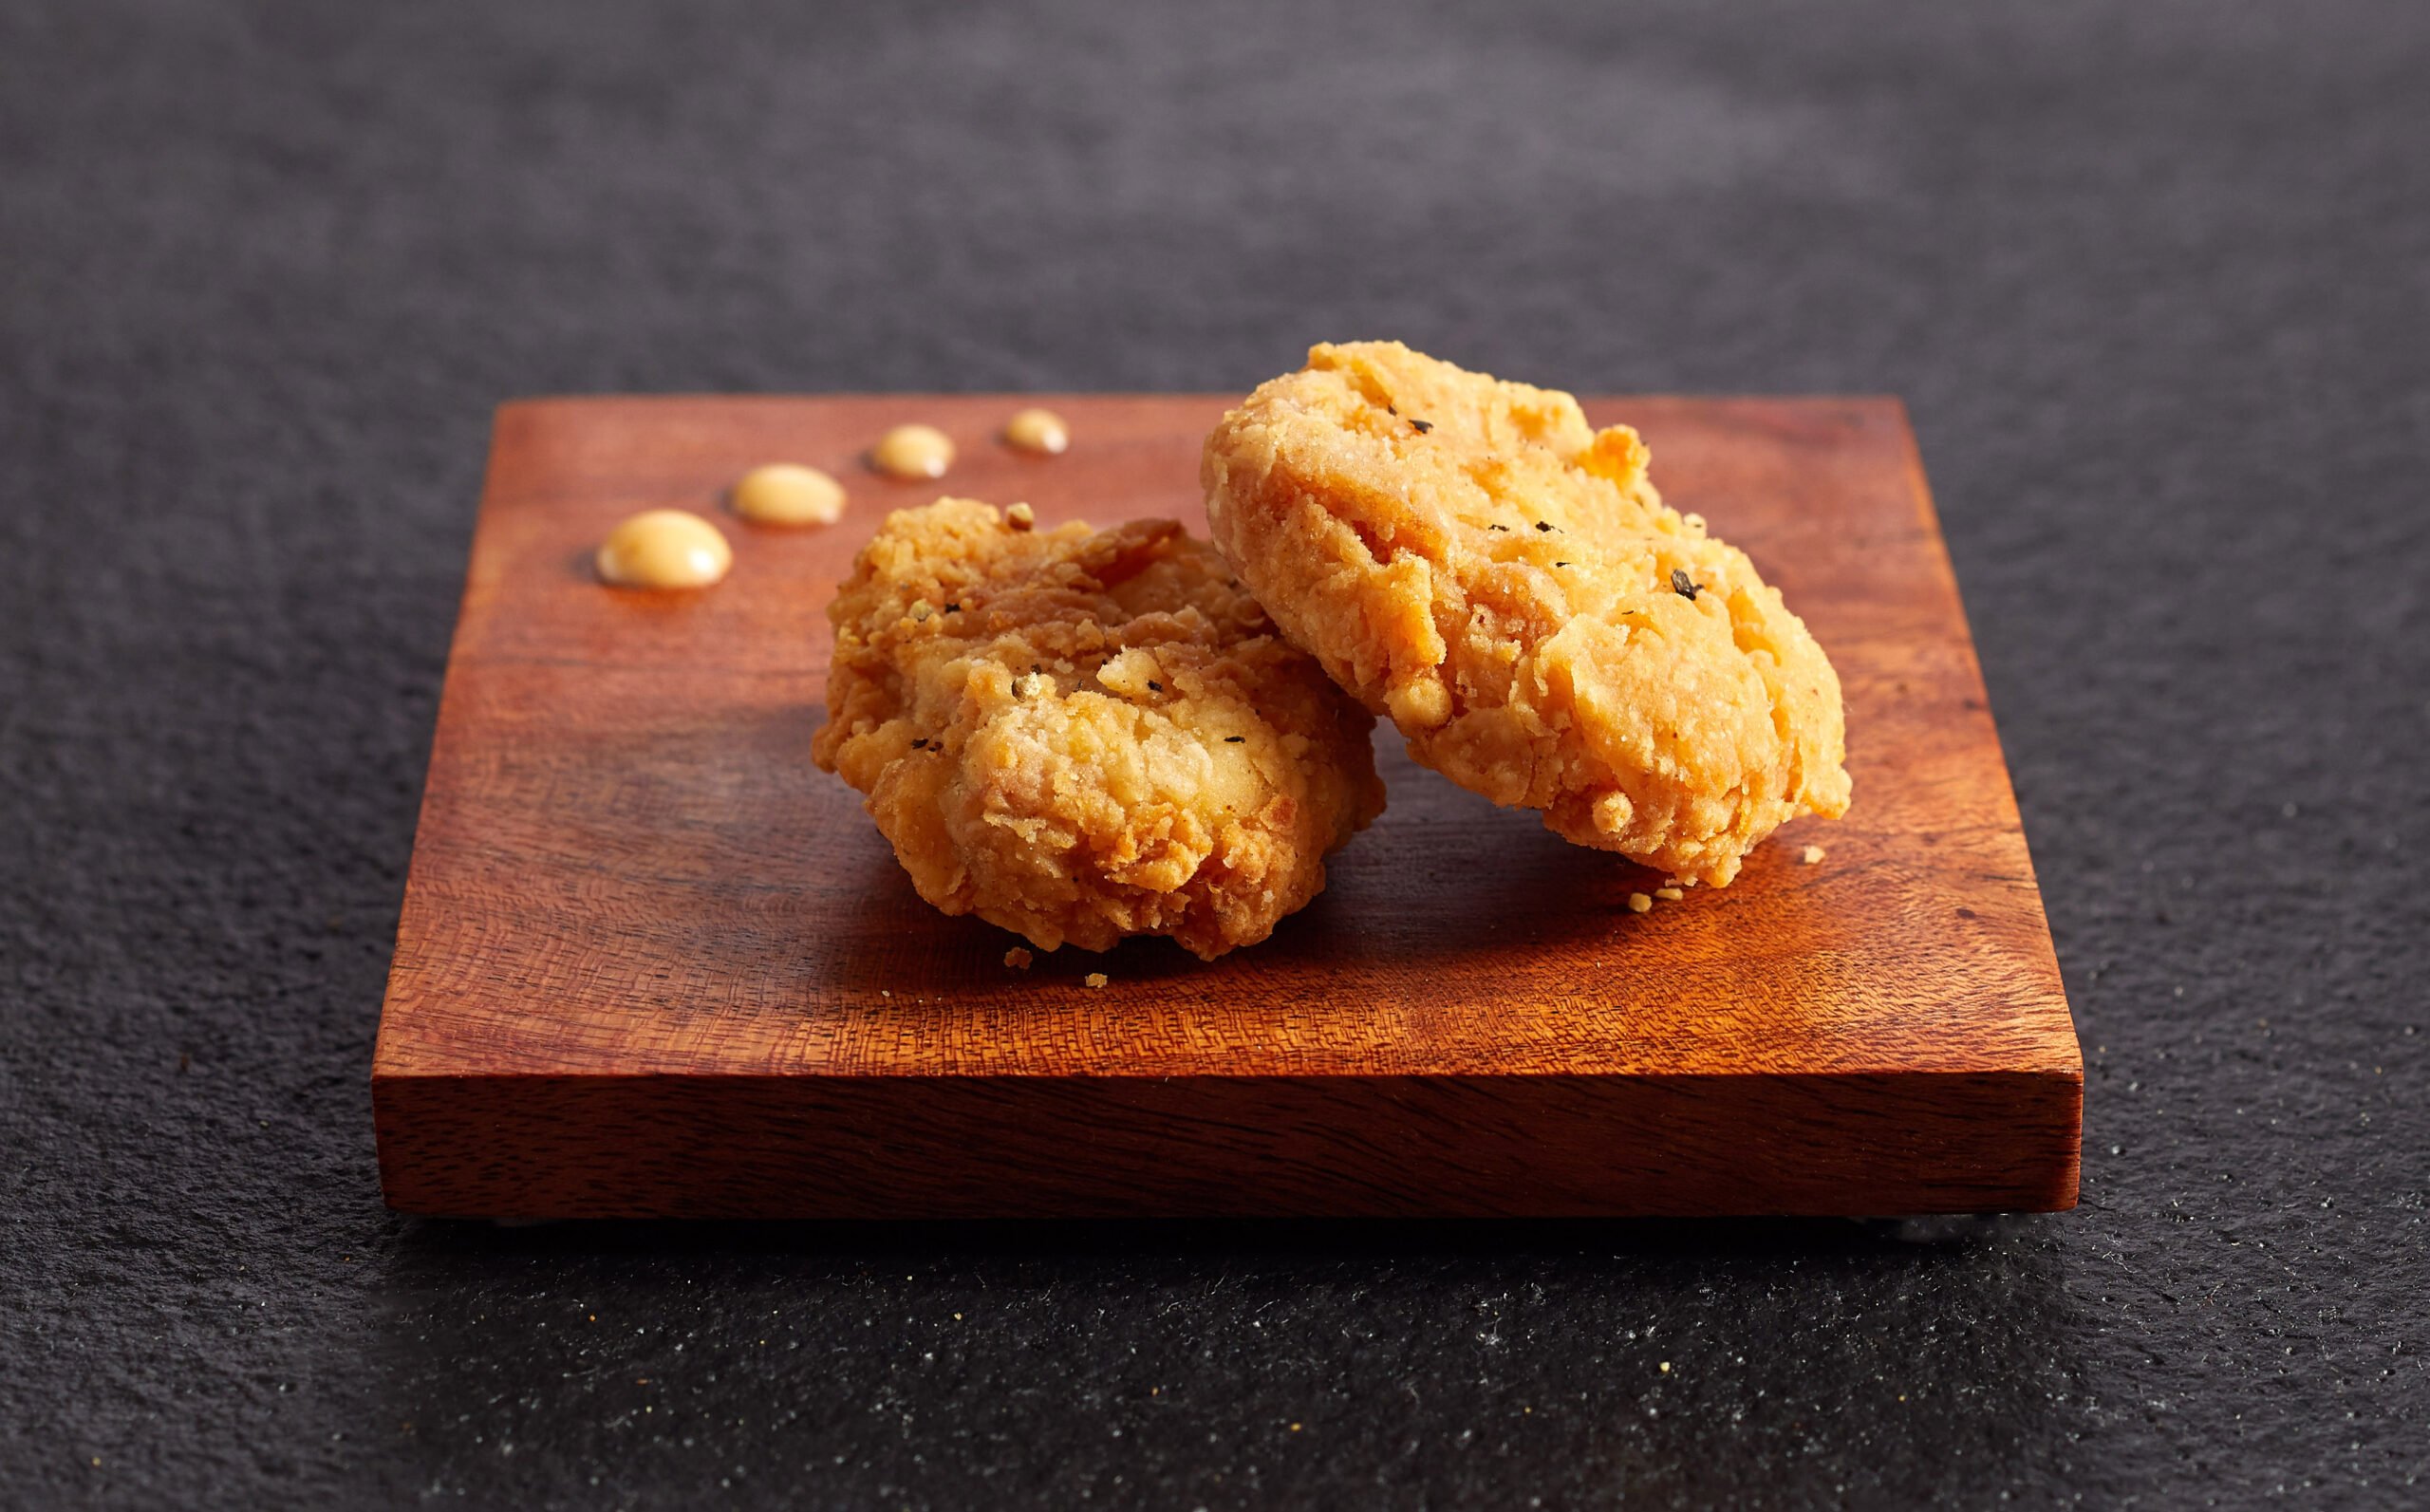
[(1422, 427), (1545, 525), (1234, 739), (1683, 586)]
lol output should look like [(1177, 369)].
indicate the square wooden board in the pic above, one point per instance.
[(652, 961)]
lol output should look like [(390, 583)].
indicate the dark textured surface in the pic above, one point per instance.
[(2155, 279)]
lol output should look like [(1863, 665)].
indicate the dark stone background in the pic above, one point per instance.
[(2155, 279)]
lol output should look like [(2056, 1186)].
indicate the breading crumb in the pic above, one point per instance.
[(1021, 516), (1810, 854), (1095, 978), (1017, 959), (1669, 894), (1639, 903)]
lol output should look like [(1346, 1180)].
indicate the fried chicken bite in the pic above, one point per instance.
[(1081, 735), (1467, 556)]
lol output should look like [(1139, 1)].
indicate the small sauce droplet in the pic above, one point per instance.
[(912, 450), (663, 548), (1038, 430), (783, 493)]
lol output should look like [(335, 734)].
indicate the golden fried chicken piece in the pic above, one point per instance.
[(1467, 556), (1081, 735)]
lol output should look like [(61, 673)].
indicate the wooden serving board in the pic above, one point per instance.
[(652, 961)]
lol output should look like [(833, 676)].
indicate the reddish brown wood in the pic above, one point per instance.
[(653, 961)]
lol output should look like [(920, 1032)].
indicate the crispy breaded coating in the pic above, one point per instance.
[(1469, 557), (1081, 735)]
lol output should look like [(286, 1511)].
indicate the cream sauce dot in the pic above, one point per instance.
[(1038, 430), (783, 493), (663, 548), (912, 450)]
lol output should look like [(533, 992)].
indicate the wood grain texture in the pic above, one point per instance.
[(652, 961)]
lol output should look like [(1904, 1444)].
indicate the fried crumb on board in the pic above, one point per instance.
[(1017, 959), (1095, 978), (1669, 894), (1639, 903), (1810, 855)]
